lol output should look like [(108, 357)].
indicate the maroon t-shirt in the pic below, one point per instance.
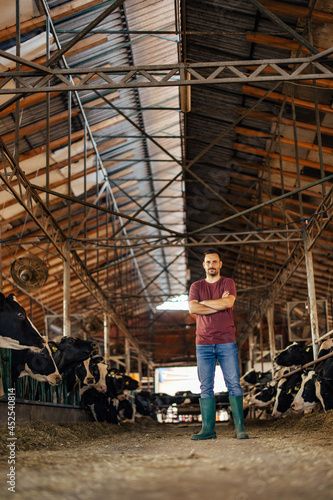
[(217, 328)]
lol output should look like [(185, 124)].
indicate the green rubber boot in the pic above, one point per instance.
[(236, 403), (208, 413)]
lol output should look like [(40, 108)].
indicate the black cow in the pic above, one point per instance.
[(38, 365), (144, 405), (295, 354), (253, 378), (16, 329), (70, 351), (324, 384), (287, 389)]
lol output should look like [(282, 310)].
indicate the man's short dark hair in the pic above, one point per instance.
[(211, 250)]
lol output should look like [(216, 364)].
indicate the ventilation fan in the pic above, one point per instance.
[(29, 272), (299, 327), (92, 325)]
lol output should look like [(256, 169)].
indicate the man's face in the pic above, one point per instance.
[(212, 264)]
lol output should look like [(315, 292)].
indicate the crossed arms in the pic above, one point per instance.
[(206, 307)]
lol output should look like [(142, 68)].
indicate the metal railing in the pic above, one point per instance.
[(29, 389)]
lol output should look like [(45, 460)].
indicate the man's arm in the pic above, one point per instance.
[(196, 307), (206, 307), (225, 302)]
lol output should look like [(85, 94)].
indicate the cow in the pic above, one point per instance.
[(144, 405), (106, 399), (253, 378), (325, 348), (79, 374), (265, 396), (16, 330), (306, 398), (70, 351), (324, 384), (287, 388), (295, 354), (100, 406), (99, 370), (324, 392), (38, 365)]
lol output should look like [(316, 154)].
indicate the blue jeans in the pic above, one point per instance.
[(227, 356)]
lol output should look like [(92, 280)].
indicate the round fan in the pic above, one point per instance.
[(92, 325), (29, 272)]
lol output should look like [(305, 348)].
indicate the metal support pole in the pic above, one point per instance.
[(0, 262), (66, 294), (140, 369), (251, 347), (261, 339), (106, 324), (127, 356), (270, 323), (312, 297)]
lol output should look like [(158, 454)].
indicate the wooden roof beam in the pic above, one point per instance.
[(277, 97), (37, 98), (57, 13), (269, 117), (262, 152), (291, 10)]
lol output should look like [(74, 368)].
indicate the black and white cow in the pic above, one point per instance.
[(325, 348), (16, 330), (306, 398), (107, 399), (324, 393), (38, 365), (287, 388), (324, 384), (295, 354), (253, 378), (100, 406), (264, 397), (79, 375)]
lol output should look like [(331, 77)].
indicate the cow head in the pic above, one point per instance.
[(41, 366), (16, 329), (306, 398), (70, 351)]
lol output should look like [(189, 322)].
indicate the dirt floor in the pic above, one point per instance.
[(286, 459)]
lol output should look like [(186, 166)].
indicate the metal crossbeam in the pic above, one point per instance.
[(150, 243), (15, 181), (166, 75)]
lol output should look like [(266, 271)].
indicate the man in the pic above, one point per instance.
[(212, 300)]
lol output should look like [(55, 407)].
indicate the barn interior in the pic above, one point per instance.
[(135, 135)]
